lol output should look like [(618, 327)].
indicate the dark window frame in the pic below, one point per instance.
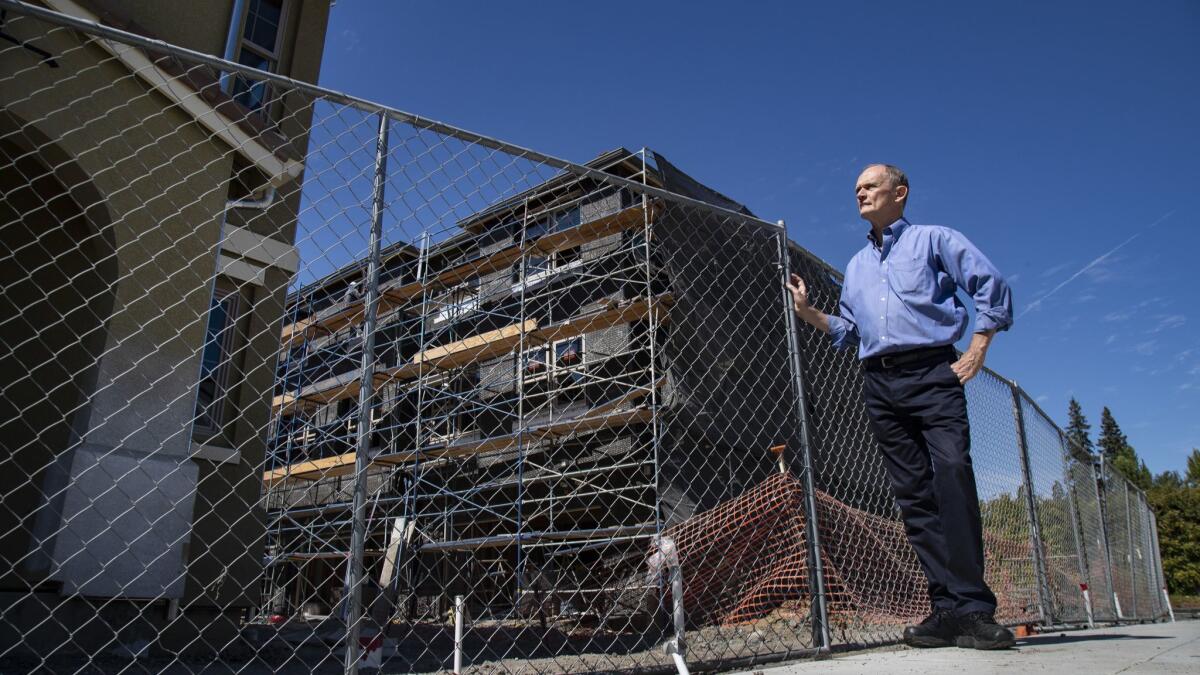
[(552, 368), (209, 422), (242, 88)]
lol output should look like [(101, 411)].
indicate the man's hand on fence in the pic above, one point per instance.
[(799, 295)]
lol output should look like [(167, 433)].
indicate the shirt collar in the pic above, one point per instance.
[(894, 230)]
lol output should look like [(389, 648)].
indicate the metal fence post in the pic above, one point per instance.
[(1073, 509), (820, 611), (358, 534), (1101, 479), (1045, 600), (1159, 578), (1133, 594), (1147, 556), (1097, 477)]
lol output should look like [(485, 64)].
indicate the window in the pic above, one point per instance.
[(630, 198), (460, 302), (539, 266), (536, 363), (566, 219), (447, 414), (259, 47), (568, 353), (552, 373), (214, 361), (538, 228), (561, 361)]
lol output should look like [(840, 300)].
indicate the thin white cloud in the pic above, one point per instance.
[(1146, 348), (1105, 271), (1094, 263), (1118, 316), (1168, 322), (1055, 270), (1111, 339)]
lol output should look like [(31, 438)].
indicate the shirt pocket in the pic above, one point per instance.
[(911, 276)]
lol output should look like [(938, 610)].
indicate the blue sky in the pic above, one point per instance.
[(1060, 137)]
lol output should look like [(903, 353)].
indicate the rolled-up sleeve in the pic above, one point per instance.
[(843, 329), (975, 274)]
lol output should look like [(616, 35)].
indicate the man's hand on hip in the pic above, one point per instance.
[(971, 362), (967, 366)]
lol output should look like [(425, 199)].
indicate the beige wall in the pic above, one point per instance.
[(203, 26), (161, 181), (200, 26)]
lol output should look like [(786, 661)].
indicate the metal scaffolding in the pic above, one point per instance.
[(516, 417)]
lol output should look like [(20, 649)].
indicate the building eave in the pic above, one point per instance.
[(278, 170)]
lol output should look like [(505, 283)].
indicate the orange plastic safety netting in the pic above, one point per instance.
[(747, 557)]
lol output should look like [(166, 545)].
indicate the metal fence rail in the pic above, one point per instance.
[(302, 383)]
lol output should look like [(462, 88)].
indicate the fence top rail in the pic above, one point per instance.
[(155, 45), (1074, 451)]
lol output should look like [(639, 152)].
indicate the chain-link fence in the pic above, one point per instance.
[(302, 383)]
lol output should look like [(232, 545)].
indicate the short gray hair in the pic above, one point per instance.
[(895, 174)]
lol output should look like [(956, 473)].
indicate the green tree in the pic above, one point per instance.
[(1078, 429), (1113, 443), (1193, 468), (1177, 511), (1119, 454), (1169, 480)]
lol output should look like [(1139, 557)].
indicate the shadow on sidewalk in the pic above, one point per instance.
[(1064, 638)]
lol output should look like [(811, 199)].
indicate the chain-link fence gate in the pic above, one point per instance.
[(358, 389)]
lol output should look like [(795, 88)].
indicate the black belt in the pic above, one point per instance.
[(910, 358)]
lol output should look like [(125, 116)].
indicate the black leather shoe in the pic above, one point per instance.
[(978, 630), (937, 630)]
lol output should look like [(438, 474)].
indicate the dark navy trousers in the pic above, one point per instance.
[(919, 417)]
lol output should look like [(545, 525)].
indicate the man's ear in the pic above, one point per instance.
[(902, 191)]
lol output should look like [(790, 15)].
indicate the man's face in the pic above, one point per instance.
[(878, 199)]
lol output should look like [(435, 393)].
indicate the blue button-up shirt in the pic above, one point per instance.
[(901, 295)]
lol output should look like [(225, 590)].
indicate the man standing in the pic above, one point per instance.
[(899, 306)]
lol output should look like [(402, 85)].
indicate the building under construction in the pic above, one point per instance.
[(548, 395)]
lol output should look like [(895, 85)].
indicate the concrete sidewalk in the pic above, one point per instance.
[(1153, 648)]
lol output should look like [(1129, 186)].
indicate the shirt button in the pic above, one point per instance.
[(882, 298), (885, 338)]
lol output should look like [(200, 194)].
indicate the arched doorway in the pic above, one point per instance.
[(57, 274)]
